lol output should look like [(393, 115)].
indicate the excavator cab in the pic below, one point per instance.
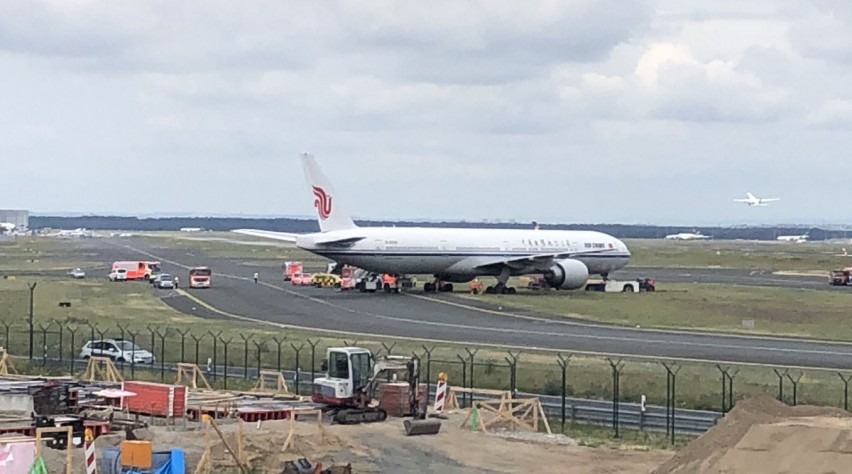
[(347, 372)]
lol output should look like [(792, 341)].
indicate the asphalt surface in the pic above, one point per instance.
[(447, 318)]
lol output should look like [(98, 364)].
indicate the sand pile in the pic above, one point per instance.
[(762, 435)]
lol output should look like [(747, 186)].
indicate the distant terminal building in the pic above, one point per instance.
[(21, 219)]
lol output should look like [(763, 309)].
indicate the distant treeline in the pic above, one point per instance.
[(306, 225)]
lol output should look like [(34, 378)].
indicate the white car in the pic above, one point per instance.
[(77, 274), (118, 350), (119, 274), (164, 281)]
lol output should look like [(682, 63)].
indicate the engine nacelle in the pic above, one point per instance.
[(567, 274)]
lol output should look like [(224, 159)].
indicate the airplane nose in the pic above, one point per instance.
[(622, 247)]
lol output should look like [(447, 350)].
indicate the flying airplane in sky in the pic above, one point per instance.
[(566, 258), (753, 200), (694, 235)]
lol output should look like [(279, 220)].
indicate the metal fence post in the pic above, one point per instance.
[(464, 381), (32, 287), (313, 345), (298, 351), (428, 353), (245, 353), (162, 353), (72, 328), (513, 368), (133, 335), (781, 376), (44, 328), (671, 398), (845, 380), (197, 341), (389, 348), (795, 383), (215, 337), (121, 362), (278, 360), (225, 344), (617, 367), (6, 327), (471, 355), (183, 344), (259, 346), (59, 327), (563, 364)]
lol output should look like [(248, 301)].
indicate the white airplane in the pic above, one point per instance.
[(753, 200), (696, 235), (793, 238), (7, 227), (566, 258)]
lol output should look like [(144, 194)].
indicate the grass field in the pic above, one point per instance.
[(766, 256)]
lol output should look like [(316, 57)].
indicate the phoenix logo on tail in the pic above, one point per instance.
[(322, 202)]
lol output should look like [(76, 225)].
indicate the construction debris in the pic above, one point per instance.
[(189, 376)]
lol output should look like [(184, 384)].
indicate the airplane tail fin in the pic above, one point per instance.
[(330, 214), (751, 196)]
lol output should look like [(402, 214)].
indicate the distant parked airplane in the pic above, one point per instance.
[(753, 200), (793, 238), (694, 235), (6, 227)]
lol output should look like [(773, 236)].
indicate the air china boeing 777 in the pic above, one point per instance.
[(566, 258)]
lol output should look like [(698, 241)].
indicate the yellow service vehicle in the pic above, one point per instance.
[(325, 280)]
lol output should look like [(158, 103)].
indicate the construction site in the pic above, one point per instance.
[(100, 422)]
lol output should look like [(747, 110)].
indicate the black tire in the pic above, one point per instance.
[(447, 288), (387, 288), (428, 287), (504, 290), (512, 290), (489, 290), (627, 289)]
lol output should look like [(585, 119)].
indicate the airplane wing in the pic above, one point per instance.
[(528, 260), (267, 234), (770, 200), (743, 200), (287, 237)]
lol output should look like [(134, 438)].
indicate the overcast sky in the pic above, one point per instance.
[(557, 111)]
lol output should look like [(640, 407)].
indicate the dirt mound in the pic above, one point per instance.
[(765, 435)]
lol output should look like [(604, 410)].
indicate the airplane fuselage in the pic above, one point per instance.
[(461, 253)]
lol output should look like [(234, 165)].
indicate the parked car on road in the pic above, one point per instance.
[(164, 281), (118, 350), (301, 279), (119, 274), (77, 274)]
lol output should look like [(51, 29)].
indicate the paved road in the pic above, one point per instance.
[(446, 318)]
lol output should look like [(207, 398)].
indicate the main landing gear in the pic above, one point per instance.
[(500, 288), (438, 287)]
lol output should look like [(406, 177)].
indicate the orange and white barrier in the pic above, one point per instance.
[(441, 393), (89, 445)]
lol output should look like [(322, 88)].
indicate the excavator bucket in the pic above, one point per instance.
[(422, 427)]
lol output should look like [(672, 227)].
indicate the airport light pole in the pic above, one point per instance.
[(32, 287)]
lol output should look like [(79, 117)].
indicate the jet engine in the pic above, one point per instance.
[(567, 274)]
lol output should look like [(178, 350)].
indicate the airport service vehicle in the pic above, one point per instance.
[(325, 280), (118, 350), (352, 375), (290, 269), (200, 277), (164, 281), (77, 274), (349, 277), (841, 277), (302, 279), (138, 270), (119, 274), (633, 286), (565, 258)]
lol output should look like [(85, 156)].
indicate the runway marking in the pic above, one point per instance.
[(508, 330)]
